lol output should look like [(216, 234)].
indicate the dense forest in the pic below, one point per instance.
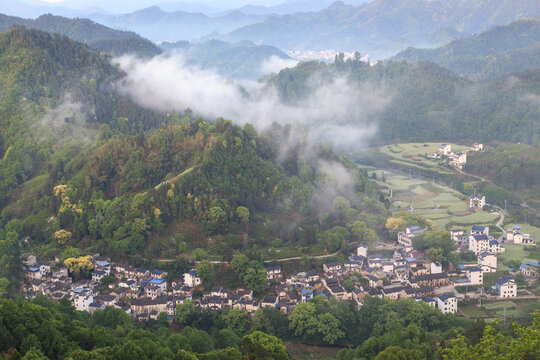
[(386, 329), (96, 36), (498, 51), (429, 102)]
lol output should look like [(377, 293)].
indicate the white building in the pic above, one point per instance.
[(475, 276), (477, 202), (447, 303), (487, 261), (514, 234), (191, 278), (445, 149), (506, 287), (435, 268), (479, 244), (480, 230), (361, 250), (82, 301)]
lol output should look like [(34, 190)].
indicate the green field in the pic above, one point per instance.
[(515, 252), (415, 155), (446, 207)]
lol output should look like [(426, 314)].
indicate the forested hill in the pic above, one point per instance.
[(53, 88), (96, 36), (237, 60), (501, 50), (125, 181), (382, 28), (431, 103), (514, 167)]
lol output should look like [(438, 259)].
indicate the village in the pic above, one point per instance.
[(393, 271), (455, 159)]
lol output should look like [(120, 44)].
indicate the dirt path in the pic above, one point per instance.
[(499, 223)]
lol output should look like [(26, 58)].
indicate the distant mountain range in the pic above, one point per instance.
[(234, 60), (158, 25), (503, 49), (96, 36), (383, 27)]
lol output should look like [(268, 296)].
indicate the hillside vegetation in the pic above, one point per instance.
[(96, 36), (514, 167), (382, 28), (237, 60), (430, 103), (501, 50)]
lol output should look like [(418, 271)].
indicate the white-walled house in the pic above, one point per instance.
[(475, 276), (477, 202), (435, 268), (361, 250), (445, 149), (191, 278), (447, 303), (82, 301), (487, 261), (506, 287), (478, 244)]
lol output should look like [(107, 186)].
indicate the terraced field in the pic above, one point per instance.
[(446, 207)]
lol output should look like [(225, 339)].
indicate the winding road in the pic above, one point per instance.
[(276, 260)]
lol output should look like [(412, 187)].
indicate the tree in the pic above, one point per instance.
[(70, 252), (239, 264), (525, 344), (243, 214), (397, 353), (358, 229), (394, 225), (260, 346), (216, 215), (207, 272), (329, 328), (4, 284), (236, 320), (34, 354), (184, 312), (255, 279), (63, 237), (340, 205), (303, 319), (78, 265), (435, 254)]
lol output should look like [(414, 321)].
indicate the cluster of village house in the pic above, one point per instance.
[(455, 159), (405, 273)]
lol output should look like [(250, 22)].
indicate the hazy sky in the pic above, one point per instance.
[(130, 4)]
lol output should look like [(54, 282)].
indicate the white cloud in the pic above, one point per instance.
[(274, 64), (337, 112)]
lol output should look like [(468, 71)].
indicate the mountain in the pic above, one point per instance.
[(243, 60), (503, 49), (73, 149), (293, 6), (383, 27), (159, 25), (429, 102), (96, 36)]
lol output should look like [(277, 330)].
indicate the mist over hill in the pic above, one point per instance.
[(503, 49)]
